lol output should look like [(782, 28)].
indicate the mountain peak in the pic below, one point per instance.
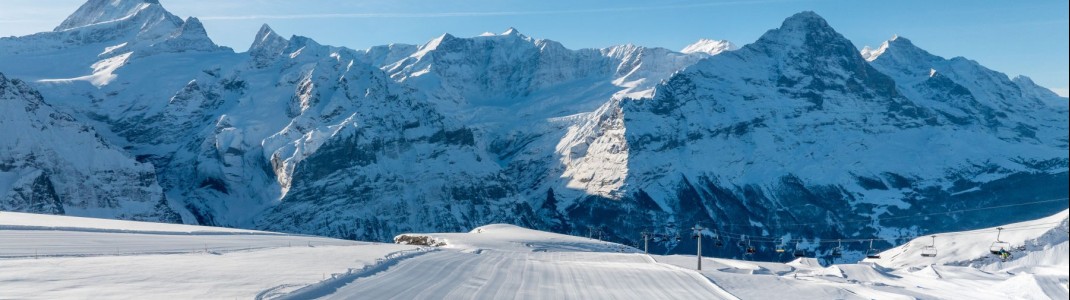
[(806, 21), (193, 26), (897, 46), (709, 46), (806, 32), (267, 46), (511, 31), (266, 38), (191, 36), (100, 11), (297, 42)]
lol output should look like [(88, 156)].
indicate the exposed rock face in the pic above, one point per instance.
[(50, 163)]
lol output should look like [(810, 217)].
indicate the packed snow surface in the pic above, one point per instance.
[(53, 257), (123, 259), (504, 261)]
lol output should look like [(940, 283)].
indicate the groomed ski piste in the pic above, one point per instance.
[(57, 257)]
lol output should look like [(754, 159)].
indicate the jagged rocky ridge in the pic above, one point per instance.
[(796, 128)]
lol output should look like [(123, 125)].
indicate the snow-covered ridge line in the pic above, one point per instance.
[(104, 230), (28, 221), (104, 11), (1028, 243), (206, 249)]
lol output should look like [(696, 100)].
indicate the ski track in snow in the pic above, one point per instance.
[(60, 257), (551, 275)]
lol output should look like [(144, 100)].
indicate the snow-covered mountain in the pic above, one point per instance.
[(711, 47), (51, 163), (799, 127)]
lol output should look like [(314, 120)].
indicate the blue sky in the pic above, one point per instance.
[(1015, 37)]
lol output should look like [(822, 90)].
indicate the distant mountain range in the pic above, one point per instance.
[(128, 111)]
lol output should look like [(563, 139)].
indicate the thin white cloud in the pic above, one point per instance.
[(23, 21), (477, 14)]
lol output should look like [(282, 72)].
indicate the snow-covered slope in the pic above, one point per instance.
[(797, 136), (122, 259), (711, 47), (798, 128), (51, 163), (963, 268), (101, 11), (1039, 243), (505, 261), (504, 237), (497, 261), (58, 257), (14, 220)]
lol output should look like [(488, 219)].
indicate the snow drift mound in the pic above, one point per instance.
[(504, 237), (1039, 243)]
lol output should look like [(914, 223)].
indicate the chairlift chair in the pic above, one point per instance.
[(780, 246), (717, 240), (930, 250), (999, 246), (750, 249), (872, 253), (799, 252)]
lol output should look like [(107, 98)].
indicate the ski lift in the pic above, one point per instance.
[(742, 241), (930, 250), (678, 237), (799, 252), (999, 246), (872, 253), (750, 249), (717, 240), (780, 246), (838, 251)]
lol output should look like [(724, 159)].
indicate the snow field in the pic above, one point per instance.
[(538, 275), (492, 262), (962, 269), (80, 258)]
